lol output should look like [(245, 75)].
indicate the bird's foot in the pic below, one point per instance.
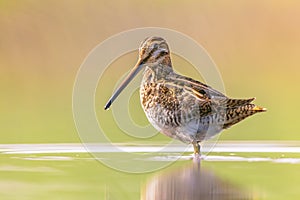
[(196, 158)]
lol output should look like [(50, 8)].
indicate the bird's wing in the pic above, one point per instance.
[(199, 90), (205, 93)]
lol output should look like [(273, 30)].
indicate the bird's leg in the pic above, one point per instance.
[(196, 146)]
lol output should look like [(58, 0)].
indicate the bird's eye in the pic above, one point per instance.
[(164, 52)]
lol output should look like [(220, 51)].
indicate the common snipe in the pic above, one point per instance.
[(178, 106)]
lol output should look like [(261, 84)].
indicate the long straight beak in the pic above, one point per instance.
[(125, 82)]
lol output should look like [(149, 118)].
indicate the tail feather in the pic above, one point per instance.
[(259, 109), (232, 103), (237, 114)]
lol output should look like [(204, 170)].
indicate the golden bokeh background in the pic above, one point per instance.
[(255, 45)]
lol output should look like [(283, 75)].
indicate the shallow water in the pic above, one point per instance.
[(232, 170)]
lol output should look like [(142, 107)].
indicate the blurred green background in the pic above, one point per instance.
[(255, 44)]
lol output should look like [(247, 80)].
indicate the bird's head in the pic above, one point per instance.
[(152, 52)]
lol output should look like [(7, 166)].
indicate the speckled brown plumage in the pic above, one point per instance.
[(178, 106)]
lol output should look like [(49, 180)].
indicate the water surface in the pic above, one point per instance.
[(231, 171)]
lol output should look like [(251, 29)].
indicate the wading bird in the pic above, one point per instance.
[(178, 106)]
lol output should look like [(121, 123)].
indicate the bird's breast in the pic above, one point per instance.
[(160, 104)]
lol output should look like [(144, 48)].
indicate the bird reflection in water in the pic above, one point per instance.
[(191, 183)]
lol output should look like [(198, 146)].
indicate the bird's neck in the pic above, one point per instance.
[(156, 72)]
